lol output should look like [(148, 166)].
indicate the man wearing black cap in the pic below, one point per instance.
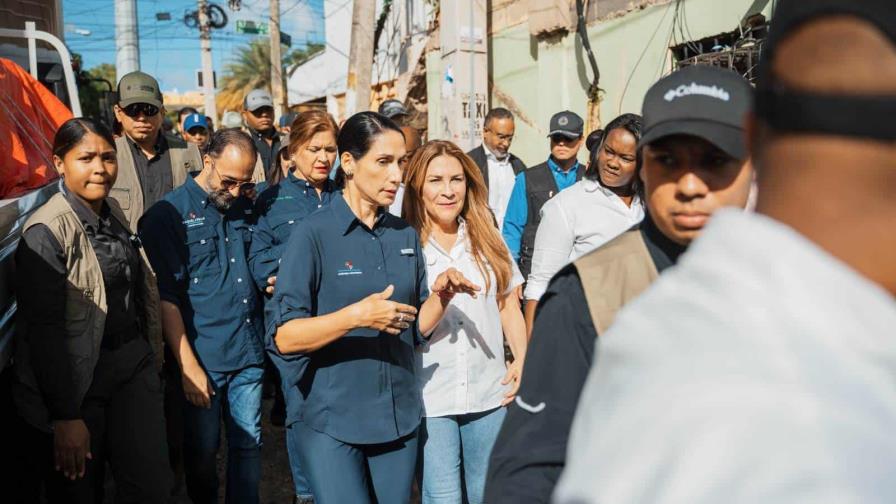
[(535, 186), (150, 164), (761, 369), (694, 162), (258, 114)]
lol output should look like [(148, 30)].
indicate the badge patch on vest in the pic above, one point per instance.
[(349, 269), (193, 221)]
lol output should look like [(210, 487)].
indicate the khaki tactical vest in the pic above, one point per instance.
[(85, 307), (258, 175), (128, 192), (613, 275)]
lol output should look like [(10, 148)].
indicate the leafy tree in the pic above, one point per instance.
[(251, 69), (92, 89)]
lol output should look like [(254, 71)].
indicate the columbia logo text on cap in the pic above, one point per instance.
[(696, 89)]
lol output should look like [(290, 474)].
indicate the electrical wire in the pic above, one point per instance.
[(641, 57)]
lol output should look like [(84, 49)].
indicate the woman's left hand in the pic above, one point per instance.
[(513, 376), (452, 282)]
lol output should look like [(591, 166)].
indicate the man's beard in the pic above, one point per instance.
[(221, 199)]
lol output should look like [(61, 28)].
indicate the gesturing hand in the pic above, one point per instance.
[(377, 312), (71, 446), (452, 282)]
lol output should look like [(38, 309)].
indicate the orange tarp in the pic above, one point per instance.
[(29, 117)]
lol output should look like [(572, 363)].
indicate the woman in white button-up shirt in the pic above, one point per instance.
[(462, 370), (591, 212)]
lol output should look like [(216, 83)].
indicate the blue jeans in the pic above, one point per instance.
[(449, 441), (238, 398)]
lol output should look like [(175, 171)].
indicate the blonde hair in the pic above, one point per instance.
[(486, 243)]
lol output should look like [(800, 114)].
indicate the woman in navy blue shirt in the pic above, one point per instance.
[(305, 188), (352, 283)]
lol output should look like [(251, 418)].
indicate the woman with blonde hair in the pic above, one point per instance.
[(462, 373)]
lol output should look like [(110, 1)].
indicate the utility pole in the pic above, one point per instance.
[(464, 100), (127, 42), (208, 73), (360, 57), (276, 61)]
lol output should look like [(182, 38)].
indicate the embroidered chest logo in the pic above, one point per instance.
[(349, 269), (193, 221)]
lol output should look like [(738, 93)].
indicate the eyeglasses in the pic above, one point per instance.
[(563, 139), (228, 184), (135, 109), (261, 111)]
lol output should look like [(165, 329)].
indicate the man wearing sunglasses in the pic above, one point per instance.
[(150, 164), (197, 239), (258, 114), (535, 186)]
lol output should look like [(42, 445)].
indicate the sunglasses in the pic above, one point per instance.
[(135, 109), (228, 184)]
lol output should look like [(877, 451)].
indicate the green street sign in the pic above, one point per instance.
[(251, 27), (285, 39)]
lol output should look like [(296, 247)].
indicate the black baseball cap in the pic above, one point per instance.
[(706, 102), (138, 87), (840, 114), (567, 124)]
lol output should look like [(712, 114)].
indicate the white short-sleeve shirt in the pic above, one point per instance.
[(462, 365), (759, 369), (573, 223)]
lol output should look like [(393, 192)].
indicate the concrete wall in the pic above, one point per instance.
[(538, 77)]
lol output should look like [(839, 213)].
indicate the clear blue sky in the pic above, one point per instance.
[(168, 49)]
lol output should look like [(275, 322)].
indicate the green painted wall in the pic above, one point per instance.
[(544, 77)]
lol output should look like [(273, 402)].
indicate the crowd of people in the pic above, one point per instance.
[(699, 313)]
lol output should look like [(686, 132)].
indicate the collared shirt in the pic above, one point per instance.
[(154, 173), (361, 388), (201, 260), (501, 180), (531, 448), (462, 363), (268, 152), (42, 278), (518, 207), (573, 223), (279, 208), (759, 359)]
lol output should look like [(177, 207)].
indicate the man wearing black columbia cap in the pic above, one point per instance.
[(535, 186), (693, 162), (761, 368)]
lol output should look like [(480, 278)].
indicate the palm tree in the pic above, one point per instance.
[(251, 69)]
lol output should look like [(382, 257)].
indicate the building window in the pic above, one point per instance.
[(738, 50)]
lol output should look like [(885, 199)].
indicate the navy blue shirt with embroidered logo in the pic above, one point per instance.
[(200, 256), (361, 388), (278, 209)]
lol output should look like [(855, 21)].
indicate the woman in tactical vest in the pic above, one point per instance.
[(593, 211), (87, 383), (462, 371)]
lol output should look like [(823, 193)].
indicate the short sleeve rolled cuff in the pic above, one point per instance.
[(333, 260)]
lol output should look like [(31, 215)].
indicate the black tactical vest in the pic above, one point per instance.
[(540, 187)]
